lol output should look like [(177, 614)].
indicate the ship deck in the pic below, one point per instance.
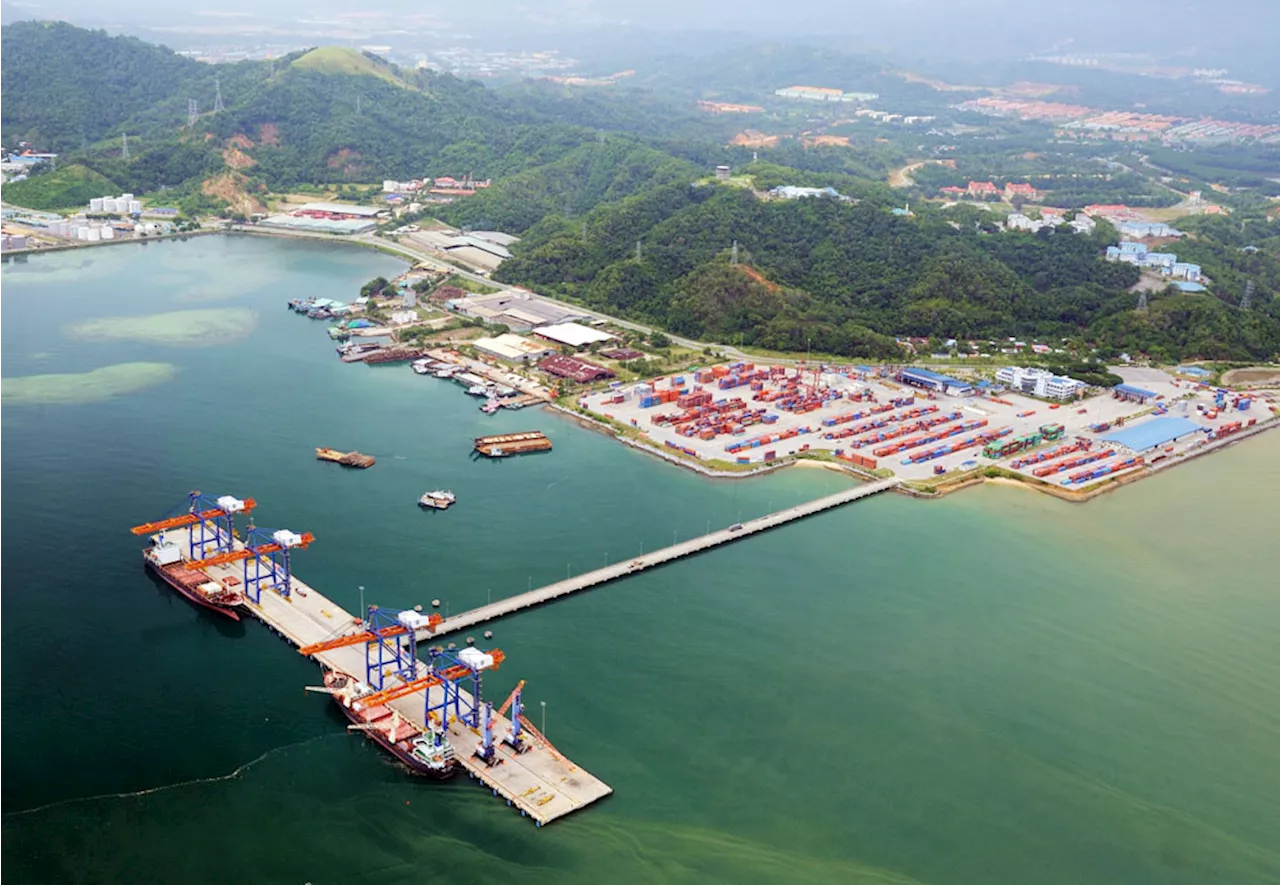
[(539, 782)]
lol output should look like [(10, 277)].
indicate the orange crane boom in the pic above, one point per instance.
[(150, 528), (247, 553), (450, 673), (353, 639), (506, 705)]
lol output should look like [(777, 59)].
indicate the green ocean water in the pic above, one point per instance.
[(994, 688)]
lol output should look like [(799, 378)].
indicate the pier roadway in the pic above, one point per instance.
[(541, 783), (649, 560)]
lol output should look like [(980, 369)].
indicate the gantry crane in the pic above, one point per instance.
[(210, 522), (267, 551)]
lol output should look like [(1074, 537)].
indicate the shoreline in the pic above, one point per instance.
[(964, 481)]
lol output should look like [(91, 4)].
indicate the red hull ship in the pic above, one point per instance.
[(429, 755), (165, 559)]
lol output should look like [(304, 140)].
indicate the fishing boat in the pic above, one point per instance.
[(421, 367), (490, 406), (164, 557), (437, 500), (429, 754), (477, 390), (448, 371)]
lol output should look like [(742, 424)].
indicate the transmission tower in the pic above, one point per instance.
[(357, 105), (124, 146), (638, 251), (733, 256), (193, 111), (1142, 300), (217, 96), (1246, 300)]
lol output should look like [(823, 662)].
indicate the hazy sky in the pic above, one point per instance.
[(981, 28)]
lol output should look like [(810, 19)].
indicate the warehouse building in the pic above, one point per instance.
[(574, 369), (935, 381), (572, 334), (512, 348)]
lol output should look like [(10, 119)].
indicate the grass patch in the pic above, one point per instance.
[(342, 60), (68, 188)]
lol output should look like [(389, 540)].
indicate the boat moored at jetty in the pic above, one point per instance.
[(426, 753), (164, 557), (504, 445)]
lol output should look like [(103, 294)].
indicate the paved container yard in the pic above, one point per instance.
[(846, 393)]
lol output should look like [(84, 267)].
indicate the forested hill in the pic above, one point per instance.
[(843, 277), (65, 86)]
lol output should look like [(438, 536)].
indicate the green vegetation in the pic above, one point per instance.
[(342, 60), (70, 187)]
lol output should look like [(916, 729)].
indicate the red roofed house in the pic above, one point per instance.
[(982, 189), (953, 191), (1024, 190)]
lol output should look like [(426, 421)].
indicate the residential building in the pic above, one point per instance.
[(1040, 382), (1083, 224), (1161, 261), (982, 189), (1143, 229), (1183, 270), (1023, 190)]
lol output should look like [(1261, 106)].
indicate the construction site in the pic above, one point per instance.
[(918, 425)]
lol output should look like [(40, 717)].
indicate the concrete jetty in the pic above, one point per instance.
[(608, 573), (541, 783)]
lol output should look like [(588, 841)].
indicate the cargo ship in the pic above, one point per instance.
[(429, 754), (504, 445), (165, 559)]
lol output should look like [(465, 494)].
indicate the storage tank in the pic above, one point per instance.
[(94, 235), (108, 233), (126, 197), (95, 205), (135, 207), (82, 233)]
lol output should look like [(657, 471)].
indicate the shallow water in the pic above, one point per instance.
[(997, 687)]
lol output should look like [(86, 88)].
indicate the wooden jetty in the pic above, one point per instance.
[(346, 459), (542, 783), (645, 561)]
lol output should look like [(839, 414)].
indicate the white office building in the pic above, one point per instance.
[(1039, 382)]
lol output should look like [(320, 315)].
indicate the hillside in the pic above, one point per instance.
[(342, 60), (70, 187), (841, 277), (64, 86)]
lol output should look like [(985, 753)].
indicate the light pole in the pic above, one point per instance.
[(490, 601), (362, 611), (544, 717)]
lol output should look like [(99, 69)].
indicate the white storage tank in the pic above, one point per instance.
[(108, 233), (135, 207), (82, 233), (94, 235), (126, 197), (95, 205)]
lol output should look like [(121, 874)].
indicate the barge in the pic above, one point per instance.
[(504, 445), (346, 459), (438, 500)]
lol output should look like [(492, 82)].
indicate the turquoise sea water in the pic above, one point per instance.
[(998, 687)]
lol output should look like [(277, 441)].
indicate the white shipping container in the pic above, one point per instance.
[(475, 658)]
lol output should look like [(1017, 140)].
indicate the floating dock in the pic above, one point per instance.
[(649, 560), (504, 444), (542, 783)]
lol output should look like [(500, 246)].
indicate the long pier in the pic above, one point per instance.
[(541, 783), (645, 561)]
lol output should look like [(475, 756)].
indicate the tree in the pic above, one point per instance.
[(659, 340)]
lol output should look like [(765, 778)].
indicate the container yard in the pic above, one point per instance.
[(747, 413)]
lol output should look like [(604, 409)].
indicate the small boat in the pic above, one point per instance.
[(477, 390), (437, 500), (448, 371), (490, 406)]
